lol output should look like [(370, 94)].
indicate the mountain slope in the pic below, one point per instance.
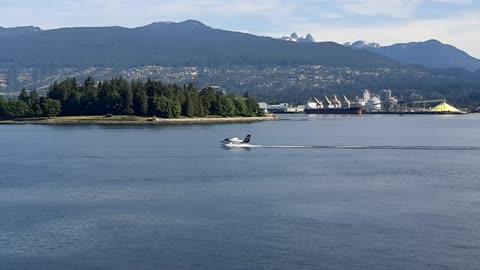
[(431, 53), (15, 31), (188, 43), (476, 75)]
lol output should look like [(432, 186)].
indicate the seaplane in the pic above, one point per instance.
[(236, 142)]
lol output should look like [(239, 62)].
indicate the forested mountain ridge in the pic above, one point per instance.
[(430, 53), (189, 43)]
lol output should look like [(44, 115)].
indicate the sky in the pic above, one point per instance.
[(456, 22)]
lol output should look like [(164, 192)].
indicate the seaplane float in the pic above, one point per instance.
[(236, 142)]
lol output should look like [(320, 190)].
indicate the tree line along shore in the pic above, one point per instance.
[(135, 120), (134, 100)]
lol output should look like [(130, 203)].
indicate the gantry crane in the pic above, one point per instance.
[(347, 101), (319, 102), (329, 102), (337, 102)]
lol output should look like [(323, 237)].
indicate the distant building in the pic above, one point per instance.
[(366, 95), (360, 102), (263, 106), (374, 104), (386, 99), (385, 95), (278, 108), (281, 108)]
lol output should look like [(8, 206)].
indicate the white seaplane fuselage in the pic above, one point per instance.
[(232, 145), (236, 142)]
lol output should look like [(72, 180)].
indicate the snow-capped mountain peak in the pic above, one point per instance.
[(362, 45), (309, 38), (295, 38)]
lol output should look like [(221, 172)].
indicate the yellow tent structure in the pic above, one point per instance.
[(445, 108)]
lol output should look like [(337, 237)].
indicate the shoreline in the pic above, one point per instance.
[(118, 120)]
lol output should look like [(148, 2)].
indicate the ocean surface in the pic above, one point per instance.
[(169, 197)]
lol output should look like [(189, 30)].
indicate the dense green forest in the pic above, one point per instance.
[(29, 105), (121, 97)]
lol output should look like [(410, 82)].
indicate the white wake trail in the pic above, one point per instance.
[(371, 147)]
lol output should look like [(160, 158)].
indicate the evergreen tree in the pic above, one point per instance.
[(35, 104), (34, 97), (89, 84), (162, 108), (150, 91), (241, 108), (253, 108), (175, 109), (166, 108), (114, 100), (89, 99), (229, 107), (208, 97), (13, 109), (54, 92), (73, 102), (140, 99), (50, 107), (189, 109), (2, 107), (199, 110), (126, 95), (218, 105), (24, 96)]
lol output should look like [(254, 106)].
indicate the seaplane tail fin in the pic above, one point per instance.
[(247, 139)]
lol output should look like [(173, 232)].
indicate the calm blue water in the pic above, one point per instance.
[(92, 197)]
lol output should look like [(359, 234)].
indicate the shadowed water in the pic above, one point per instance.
[(170, 197)]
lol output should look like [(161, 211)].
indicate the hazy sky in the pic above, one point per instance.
[(456, 22)]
